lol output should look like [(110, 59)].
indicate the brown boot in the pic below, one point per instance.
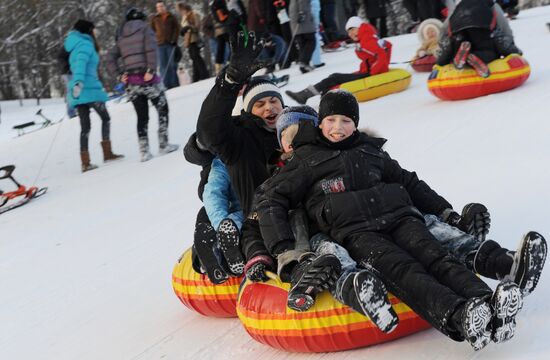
[(108, 153), (85, 157)]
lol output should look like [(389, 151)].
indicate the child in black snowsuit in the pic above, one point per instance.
[(473, 37), (363, 199)]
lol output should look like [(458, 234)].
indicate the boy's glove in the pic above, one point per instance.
[(256, 268), (244, 57), (77, 89), (475, 220)]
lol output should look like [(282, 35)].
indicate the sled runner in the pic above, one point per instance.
[(14, 199)]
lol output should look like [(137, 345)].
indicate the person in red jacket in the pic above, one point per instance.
[(373, 52)]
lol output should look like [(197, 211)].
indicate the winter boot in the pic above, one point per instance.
[(85, 159), (491, 260), (462, 54), (365, 293), (164, 146), (506, 303), (204, 247), (528, 262), (302, 96), (479, 66), (305, 68), (475, 220), (473, 320), (311, 276), (228, 236), (144, 149), (108, 154)]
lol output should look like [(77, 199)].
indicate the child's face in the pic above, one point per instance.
[(286, 144), (337, 127), (431, 33), (268, 108), (353, 33)]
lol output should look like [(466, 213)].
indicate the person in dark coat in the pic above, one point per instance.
[(376, 13), (303, 29), (190, 26), (475, 36), (166, 27), (229, 17), (337, 167)]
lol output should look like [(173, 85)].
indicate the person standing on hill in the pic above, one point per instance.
[(136, 47), (85, 89), (167, 29), (190, 24)]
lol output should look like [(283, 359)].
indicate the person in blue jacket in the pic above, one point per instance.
[(226, 215), (86, 90)]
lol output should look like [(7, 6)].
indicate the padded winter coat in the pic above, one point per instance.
[(220, 201), (136, 46), (345, 191), (262, 17), (243, 143), (200, 157), (296, 8), (375, 8), (375, 54), (167, 29), (193, 22), (84, 61)]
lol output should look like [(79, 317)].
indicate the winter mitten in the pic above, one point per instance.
[(256, 268), (77, 89), (244, 57), (229, 241)]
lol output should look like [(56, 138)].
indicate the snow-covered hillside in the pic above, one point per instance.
[(85, 271)]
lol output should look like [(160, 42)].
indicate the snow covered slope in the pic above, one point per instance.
[(85, 271)]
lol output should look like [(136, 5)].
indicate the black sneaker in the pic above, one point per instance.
[(528, 262), (372, 298), (475, 220), (462, 54), (203, 247), (476, 323), (228, 239), (311, 276), (506, 303)]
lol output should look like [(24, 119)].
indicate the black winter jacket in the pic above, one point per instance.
[(197, 156), (375, 8), (346, 188), (243, 143)]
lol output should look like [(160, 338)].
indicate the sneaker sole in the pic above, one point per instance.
[(533, 253), (374, 301), (476, 321), (229, 239), (507, 302)]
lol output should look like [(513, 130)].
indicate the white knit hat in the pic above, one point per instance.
[(354, 22), (257, 88)]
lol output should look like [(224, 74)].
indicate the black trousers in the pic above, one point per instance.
[(418, 270), (223, 40), (336, 79), (85, 123), (139, 96), (380, 24), (199, 67), (306, 43)]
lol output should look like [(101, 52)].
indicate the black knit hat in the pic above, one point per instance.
[(135, 14), (84, 26), (257, 88), (339, 102)]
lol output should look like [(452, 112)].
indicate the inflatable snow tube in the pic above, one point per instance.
[(197, 292), (448, 83), (327, 326), (376, 86), (423, 64)]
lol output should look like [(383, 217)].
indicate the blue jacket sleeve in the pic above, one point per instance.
[(79, 62), (218, 197)]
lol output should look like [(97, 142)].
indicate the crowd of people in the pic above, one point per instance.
[(307, 195)]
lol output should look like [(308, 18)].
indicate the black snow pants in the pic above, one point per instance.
[(306, 43), (336, 79), (85, 123), (139, 95), (199, 67), (419, 271)]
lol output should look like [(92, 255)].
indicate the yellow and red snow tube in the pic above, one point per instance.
[(448, 83), (197, 292), (424, 64), (376, 86), (327, 326)]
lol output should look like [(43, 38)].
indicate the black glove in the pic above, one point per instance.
[(256, 268), (475, 220), (244, 57), (301, 17), (184, 30)]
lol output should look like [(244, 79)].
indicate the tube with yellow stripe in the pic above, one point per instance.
[(327, 326), (197, 292), (449, 83), (376, 86)]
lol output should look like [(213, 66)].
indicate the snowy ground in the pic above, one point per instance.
[(85, 271)]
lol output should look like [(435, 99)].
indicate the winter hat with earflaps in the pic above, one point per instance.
[(293, 115), (84, 26), (339, 102), (257, 88)]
